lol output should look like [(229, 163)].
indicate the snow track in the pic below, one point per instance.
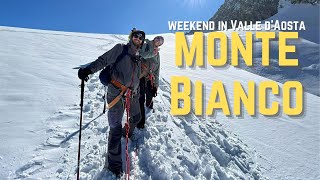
[(168, 148), (39, 124)]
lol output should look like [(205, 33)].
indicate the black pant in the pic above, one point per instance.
[(115, 114), (146, 96)]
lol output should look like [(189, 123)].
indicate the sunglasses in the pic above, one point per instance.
[(140, 36), (158, 42)]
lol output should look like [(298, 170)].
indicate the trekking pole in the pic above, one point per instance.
[(81, 106), (104, 99)]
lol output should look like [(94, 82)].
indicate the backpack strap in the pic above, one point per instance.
[(147, 47), (124, 52)]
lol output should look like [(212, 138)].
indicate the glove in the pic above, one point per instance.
[(83, 73), (154, 91)]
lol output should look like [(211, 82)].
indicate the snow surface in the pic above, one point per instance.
[(307, 49), (40, 110), (40, 129), (301, 12)]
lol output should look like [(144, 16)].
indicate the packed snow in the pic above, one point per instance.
[(40, 110), (44, 144)]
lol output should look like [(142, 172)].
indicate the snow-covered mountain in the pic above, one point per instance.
[(254, 10), (246, 10), (284, 10), (40, 109), (39, 123), (307, 52), (307, 12), (285, 3)]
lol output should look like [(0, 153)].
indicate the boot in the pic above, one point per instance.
[(141, 123), (118, 173)]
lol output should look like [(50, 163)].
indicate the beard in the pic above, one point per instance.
[(136, 43)]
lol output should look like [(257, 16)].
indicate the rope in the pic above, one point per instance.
[(127, 125), (151, 76), (152, 79)]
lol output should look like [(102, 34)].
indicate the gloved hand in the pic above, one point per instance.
[(154, 91), (83, 73)]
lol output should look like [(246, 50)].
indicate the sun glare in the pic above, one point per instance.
[(194, 3)]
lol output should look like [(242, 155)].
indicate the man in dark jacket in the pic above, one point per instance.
[(126, 72), (149, 78)]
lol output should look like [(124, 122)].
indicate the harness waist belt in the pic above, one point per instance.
[(123, 89)]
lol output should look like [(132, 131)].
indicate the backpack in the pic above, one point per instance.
[(105, 74)]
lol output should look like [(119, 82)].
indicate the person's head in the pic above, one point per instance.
[(137, 37), (158, 41)]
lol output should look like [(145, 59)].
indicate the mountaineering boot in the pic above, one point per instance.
[(117, 173), (140, 126), (141, 123)]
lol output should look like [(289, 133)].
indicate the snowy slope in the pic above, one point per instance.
[(284, 143), (40, 120), (36, 81), (302, 12), (307, 52)]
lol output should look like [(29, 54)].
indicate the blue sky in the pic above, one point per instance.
[(104, 16)]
